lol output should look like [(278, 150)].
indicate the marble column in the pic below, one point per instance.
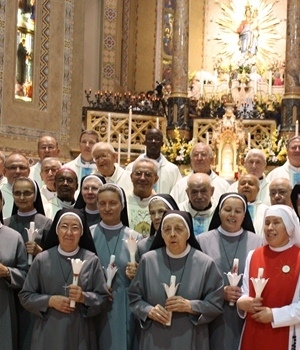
[(178, 102), (291, 98)]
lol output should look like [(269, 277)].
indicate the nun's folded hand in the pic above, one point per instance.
[(232, 293), (33, 248), (60, 303), (131, 270), (159, 314), (178, 304), (76, 293)]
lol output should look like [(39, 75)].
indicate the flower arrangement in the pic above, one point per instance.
[(275, 148), (177, 150)]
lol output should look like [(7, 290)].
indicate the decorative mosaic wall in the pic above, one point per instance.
[(109, 44)]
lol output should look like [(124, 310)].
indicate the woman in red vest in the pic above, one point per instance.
[(273, 312)]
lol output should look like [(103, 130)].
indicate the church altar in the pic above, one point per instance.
[(228, 137)]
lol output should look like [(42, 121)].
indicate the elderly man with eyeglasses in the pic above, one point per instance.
[(15, 166), (280, 191), (168, 172), (143, 177), (105, 158)]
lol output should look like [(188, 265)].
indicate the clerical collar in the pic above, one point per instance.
[(208, 173), (62, 252), (296, 169), (27, 213), (181, 255), (157, 160), (230, 234), (109, 177), (96, 211), (111, 227), (143, 199), (86, 163), (201, 211), (282, 249), (65, 204)]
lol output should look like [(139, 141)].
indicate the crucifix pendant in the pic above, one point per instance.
[(65, 287)]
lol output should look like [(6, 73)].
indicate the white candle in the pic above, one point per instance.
[(260, 272), (207, 138), (249, 140), (297, 128), (108, 128), (270, 83), (201, 83), (119, 149), (173, 280), (31, 226), (216, 81), (112, 259), (30, 234), (255, 83), (132, 257), (235, 266), (129, 133), (157, 123)]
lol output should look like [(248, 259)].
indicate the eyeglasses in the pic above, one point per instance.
[(101, 156), (47, 170), (147, 174), (90, 188), (16, 167), (153, 139), (65, 228), (64, 179), (281, 193), (24, 193)]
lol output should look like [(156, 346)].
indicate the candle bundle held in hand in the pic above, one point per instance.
[(31, 233), (76, 267), (111, 270), (259, 283), (171, 291), (132, 247), (233, 276)]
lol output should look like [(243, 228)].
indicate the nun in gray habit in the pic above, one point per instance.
[(199, 294)]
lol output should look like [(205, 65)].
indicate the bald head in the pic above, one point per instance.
[(201, 158), (15, 166), (47, 147), (199, 191), (249, 186), (280, 191)]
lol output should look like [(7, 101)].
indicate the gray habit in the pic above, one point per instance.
[(199, 281), (225, 330), (49, 275), (20, 223), (115, 325), (13, 255)]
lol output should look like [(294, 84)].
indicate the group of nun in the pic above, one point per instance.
[(173, 294)]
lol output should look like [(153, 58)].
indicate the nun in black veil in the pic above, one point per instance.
[(28, 208), (87, 198), (49, 288), (158, 205), (175, 257), (231, 236)]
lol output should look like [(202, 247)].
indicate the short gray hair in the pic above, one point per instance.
[(146, 160)]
